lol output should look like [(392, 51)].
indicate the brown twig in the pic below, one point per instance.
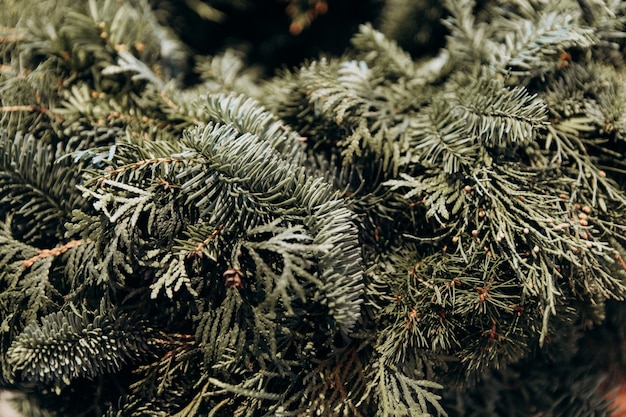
[(30, 108), (45, 253)]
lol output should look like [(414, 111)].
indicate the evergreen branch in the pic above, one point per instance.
[(222, 333), (12, 250), (247, 115), (273, 186), (288, 243), (172, 277), (334, 98), (445, 201), (349, 97), (66, 346), (133, 168), (499, 116), (227, 72), (438, 138), (335, 386), (529, 45), (399, 394), (443, 302), (127, 62), (526, 226), (93, 33), (469, 40), (243, 391), (384, 52), (115, 208), (594, 184), (248, 363), (162, 388), (32, 188), (196, 244), (29, 98), (26, 293)]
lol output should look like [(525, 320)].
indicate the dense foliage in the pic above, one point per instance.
[(374, 232)]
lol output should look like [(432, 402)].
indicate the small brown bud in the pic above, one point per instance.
[(233, 278), (561, 226), (321, 7), (295, 28)]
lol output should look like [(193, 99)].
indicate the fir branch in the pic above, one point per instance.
[(200, 240), (26, 292), (529, 45), (127, 62), (521, 46), (438, 138), (227, 73), (66, 346), (499, 116), (33, 188), (348, 97), (469, 40), (247, 115), (332, 97), (93, 34), (514, 215), (28, 99), (280, 188), (385, 52)]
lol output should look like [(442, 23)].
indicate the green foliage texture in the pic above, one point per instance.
[(372, 234)]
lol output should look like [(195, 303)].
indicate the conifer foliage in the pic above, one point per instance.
[(370, 234)]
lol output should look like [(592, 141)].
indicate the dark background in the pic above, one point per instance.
[(261, 29)]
